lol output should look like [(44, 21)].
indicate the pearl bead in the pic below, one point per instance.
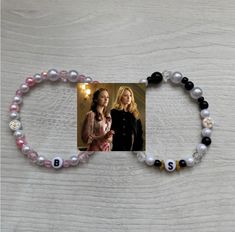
[(88, 80), (73, 76), (25, 149), (14, 115), (17, 99), (144, 81), (205, 113), (18, 134), (53, 75), (24, 88), (74, 160), (40, 160), (201, 149), (141, 156), (38, 78), (14, 107), (170, 165), (196, 92), (176, 77), (207, 122), (30, 81), (15, 125), (20, 142), (149, 160), (206, 132), (57, 162), (190, 161)]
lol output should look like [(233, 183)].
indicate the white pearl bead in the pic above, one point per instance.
[(24, 88), (88, 80), (17, 100), (170, 165), (149, 160), (206, 132), (40, 160), (205, 113), (141, 156), (190, 161), (201, 148), (38, 78), (18, 134), (176, 77), (14, 115), (144, 81), (196, 92), (57, 162), (73, 76), (207, 122), (74, 160), (53, 75), (25, 149), (166, 75)]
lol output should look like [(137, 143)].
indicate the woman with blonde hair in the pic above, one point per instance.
[(126, 122)]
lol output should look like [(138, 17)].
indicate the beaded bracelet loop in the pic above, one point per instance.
[(207, 123), (16, 126)]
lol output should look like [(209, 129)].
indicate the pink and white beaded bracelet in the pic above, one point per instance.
[(16, 126)]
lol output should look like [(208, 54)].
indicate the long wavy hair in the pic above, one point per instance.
[(94, 105), (132, 107)]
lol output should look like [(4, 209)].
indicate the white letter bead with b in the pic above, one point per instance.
[(57, 162), (170, 165)]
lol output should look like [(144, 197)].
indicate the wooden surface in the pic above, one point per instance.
[(115, 41)]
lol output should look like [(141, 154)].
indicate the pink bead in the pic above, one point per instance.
[(20, 142), (47, 164), (30, 81), (44, 75), (33, 156), (83, 157), (19, 92), (14, 107), (66, 163), (81, 78)]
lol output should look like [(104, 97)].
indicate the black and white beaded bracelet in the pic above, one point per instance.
[(207, 123)]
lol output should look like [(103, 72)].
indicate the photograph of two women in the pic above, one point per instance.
[(111, 116)]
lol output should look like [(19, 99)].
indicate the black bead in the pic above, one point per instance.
[(206, 141), (200, 99), (182, 163), (155, 78), (184, 80), (203, 105), (189, 85), (157, 163)]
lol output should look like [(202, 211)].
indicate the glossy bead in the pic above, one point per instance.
[(141, 156), (88, 80), (207, 122), (205, 113), (19, 92), (15, 125), (184, 80), (17, 100), (203, 105), (189, 85), (33, 156), (57, 162), (30, 81), (176, 77), (144, 81), (155, 78), (14, 107), (40, 160), (196, 92), (149, 160), (170, 165), (25, 149), (201, 149), (206, 132), (166, 75), (38, 78), (53, 75), (182, 163), (190, 161), (14, 115), (73, 76), (74, 160), (24, 88), (157, 163), (200, 99), (20, 142), (206, 141), (18, 134)]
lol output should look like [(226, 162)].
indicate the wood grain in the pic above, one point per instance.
[(119, 41)]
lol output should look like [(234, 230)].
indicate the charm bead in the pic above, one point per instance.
[(207, 122), (15, 125), (57, 162), (170, 165)]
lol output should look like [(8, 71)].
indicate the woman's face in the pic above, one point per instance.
[(103, 99), (126, 97)]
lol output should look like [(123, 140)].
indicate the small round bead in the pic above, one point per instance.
[(144, 81), (66, 163), (200, 99), (170, 165), (53, 75), (15, 125), (207, 122), (184, 80), (166, 75), (206, 141), (206, 132), (205, 113), (33, 156), (203, 105), (14, 107), (19, 92), (88, 80), (81, 78), (25, 149), (190, 161), (40, 160), (18, 134), (149, 160), (155, 78), (201, 149), (30, 81), (74, 160), (24, 87), (141, 156), (73, 76), (38, 78), (157, 163), (17, 100), (14, 115), (189, 85), (196, 92), (57, 162), (20, 142), (176, 77), (182, 163), (47, 163)]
